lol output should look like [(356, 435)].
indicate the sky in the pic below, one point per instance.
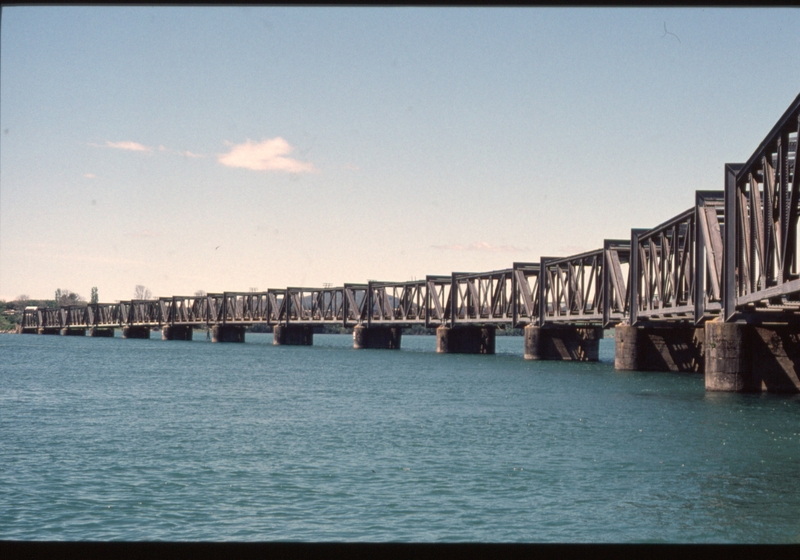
[(226, 149)]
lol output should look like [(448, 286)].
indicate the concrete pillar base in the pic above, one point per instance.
[(292, 335), (105, 333), (67, 331), (563, 342), (135, 332), (227, 333), (659, 348), (727, 363), (176, 332), (626, 348), (465, 340), (48, 330), (745, 359), (377, 337)]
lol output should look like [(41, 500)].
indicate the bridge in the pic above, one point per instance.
[(714, 289)]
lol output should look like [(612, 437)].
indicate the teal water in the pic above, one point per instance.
[(116, 439)]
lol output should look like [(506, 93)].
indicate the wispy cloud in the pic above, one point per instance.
[(90, 175), (267, 155), (480, 246), (124, 145), (187, 153)]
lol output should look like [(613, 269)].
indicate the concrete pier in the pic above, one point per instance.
[(71, 331), (292, 335), (745, 358), (227, 333), (97, 332), (675, 348), (135, 332), (465, 340), (377, 337), (49, 330), (727, 360), (176, 332), (565, 342)]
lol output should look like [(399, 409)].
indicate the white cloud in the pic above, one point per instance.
[(124, 145), (90, 175), (187, 153), (267, 155), (480, 246)]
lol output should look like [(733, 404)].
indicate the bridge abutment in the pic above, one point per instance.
[(73, 331), (135, 332), (48, 330), (465, 340), (98, 332), (227, 333), (292, 335), (377, 337), (176, 332), (676, 348), (562, 342)]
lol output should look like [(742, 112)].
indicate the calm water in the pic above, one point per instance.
[(152, 440)]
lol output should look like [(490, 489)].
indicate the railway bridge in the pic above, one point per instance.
[(714, 289)]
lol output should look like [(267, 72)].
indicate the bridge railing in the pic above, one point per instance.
[(103, 315), (525, 293), (140, 312), (482, 297), (588, 288), (316, 305), (233, 308), (396, 303), (48, 317), (74, 316), (29, 319), (762, 197), (669, 277), (438, 305)]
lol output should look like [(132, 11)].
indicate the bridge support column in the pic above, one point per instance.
[(743, 358), (563, 342), (135, 332), (727, 364), (292, 335), (676, 348), (70, 331), (48, 330), (465, 340), (227, 333), (626, 348), (176, 332), (377, 337), (98, 332)]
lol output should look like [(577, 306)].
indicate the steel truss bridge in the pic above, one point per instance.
[(731, 256)]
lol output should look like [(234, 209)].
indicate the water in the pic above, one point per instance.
[(116, 439)]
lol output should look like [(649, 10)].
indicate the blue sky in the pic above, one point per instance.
[(233, 148)]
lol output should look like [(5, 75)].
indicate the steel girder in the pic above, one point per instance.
[(588, 288), (396, 303), (762, 197), (676, 267), (103, 315)]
